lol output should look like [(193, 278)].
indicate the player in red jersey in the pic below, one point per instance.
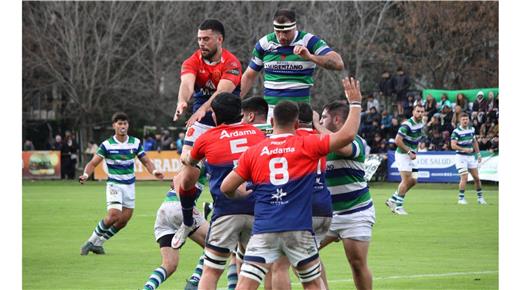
[(208, 72), (283, 171), (232, 220)]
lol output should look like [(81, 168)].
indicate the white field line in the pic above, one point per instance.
[(408, 277)]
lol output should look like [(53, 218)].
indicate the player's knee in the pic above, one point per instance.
[(310, 274), (113, 217), (357, 264), (214, 261), (253, 271)]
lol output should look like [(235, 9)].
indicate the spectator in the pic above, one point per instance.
[(58, 143), (408, 106), (463, 102), (149, 143), (492, 106), (401, 83), (456, 116), (479, 105), (436, 141), (391, 145), (386, 88), (419, 100), (431, 106), (179, 142), (69, 157), (444, 101), (378, 144), (166, 140), (433, 124), (28, 145), (423, 147), (372, 102), (391, 132), (158, 140), (446, 118), (386, 120)]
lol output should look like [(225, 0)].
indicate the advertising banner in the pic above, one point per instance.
[(471, 94), (41, 165), (439, 166), (166, 161)]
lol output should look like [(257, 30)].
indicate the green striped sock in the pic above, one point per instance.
[(157, 277), (232, 277), (197, 273)]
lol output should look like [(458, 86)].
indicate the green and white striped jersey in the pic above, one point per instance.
[(345, 178), (287, 76), (464, 138), (266, 128), (120, 157), (411, 131)]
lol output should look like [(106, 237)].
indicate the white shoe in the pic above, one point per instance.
[(391, 204), (182, 233), (462, 201), (481, 200), (400, 211)]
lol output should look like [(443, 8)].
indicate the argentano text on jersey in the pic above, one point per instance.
[(284, 66)]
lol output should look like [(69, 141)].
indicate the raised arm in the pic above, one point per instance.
[(348, 131), (185, 92), (247, 81)]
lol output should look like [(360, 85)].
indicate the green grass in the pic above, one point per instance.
[(440, 245)]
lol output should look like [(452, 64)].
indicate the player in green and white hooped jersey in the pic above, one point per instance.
[(119, 152), (407, 140), (353, 209), (288, 58), (464, 142)]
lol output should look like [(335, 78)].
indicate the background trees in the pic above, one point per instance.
[(85, 60)]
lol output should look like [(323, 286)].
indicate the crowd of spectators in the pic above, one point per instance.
[(387, 108), (163, 141)]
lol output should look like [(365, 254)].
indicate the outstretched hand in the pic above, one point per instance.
[(352, 89), (197, 116), (181, 106)]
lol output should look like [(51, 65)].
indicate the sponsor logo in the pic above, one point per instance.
[(278, 197), (226, 134), (190, 132), (234, 72), (284, 66), (266, 151)]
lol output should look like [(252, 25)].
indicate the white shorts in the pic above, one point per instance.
[(299, 246), (405, 163), (120, 195), (465, 162), (227, 231), (356, 226), (320, 226), (169, 219), (193, 133)]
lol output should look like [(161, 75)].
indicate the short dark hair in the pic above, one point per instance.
[(337, 108), (256, 105), (463, 114), (284, 15), (226, 107), (285, 113), (214, 25), (418, 105), (119, 116), (305, 114)]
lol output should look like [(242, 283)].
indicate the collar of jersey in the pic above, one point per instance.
[(127, 138), (212, 63), (281, 135)]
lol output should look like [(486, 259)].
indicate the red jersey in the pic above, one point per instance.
[(208, 75), (283, 172), (222, 146)]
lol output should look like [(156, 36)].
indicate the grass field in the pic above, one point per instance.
[(440, 245)]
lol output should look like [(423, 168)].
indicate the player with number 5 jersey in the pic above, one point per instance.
[(282, 170)]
